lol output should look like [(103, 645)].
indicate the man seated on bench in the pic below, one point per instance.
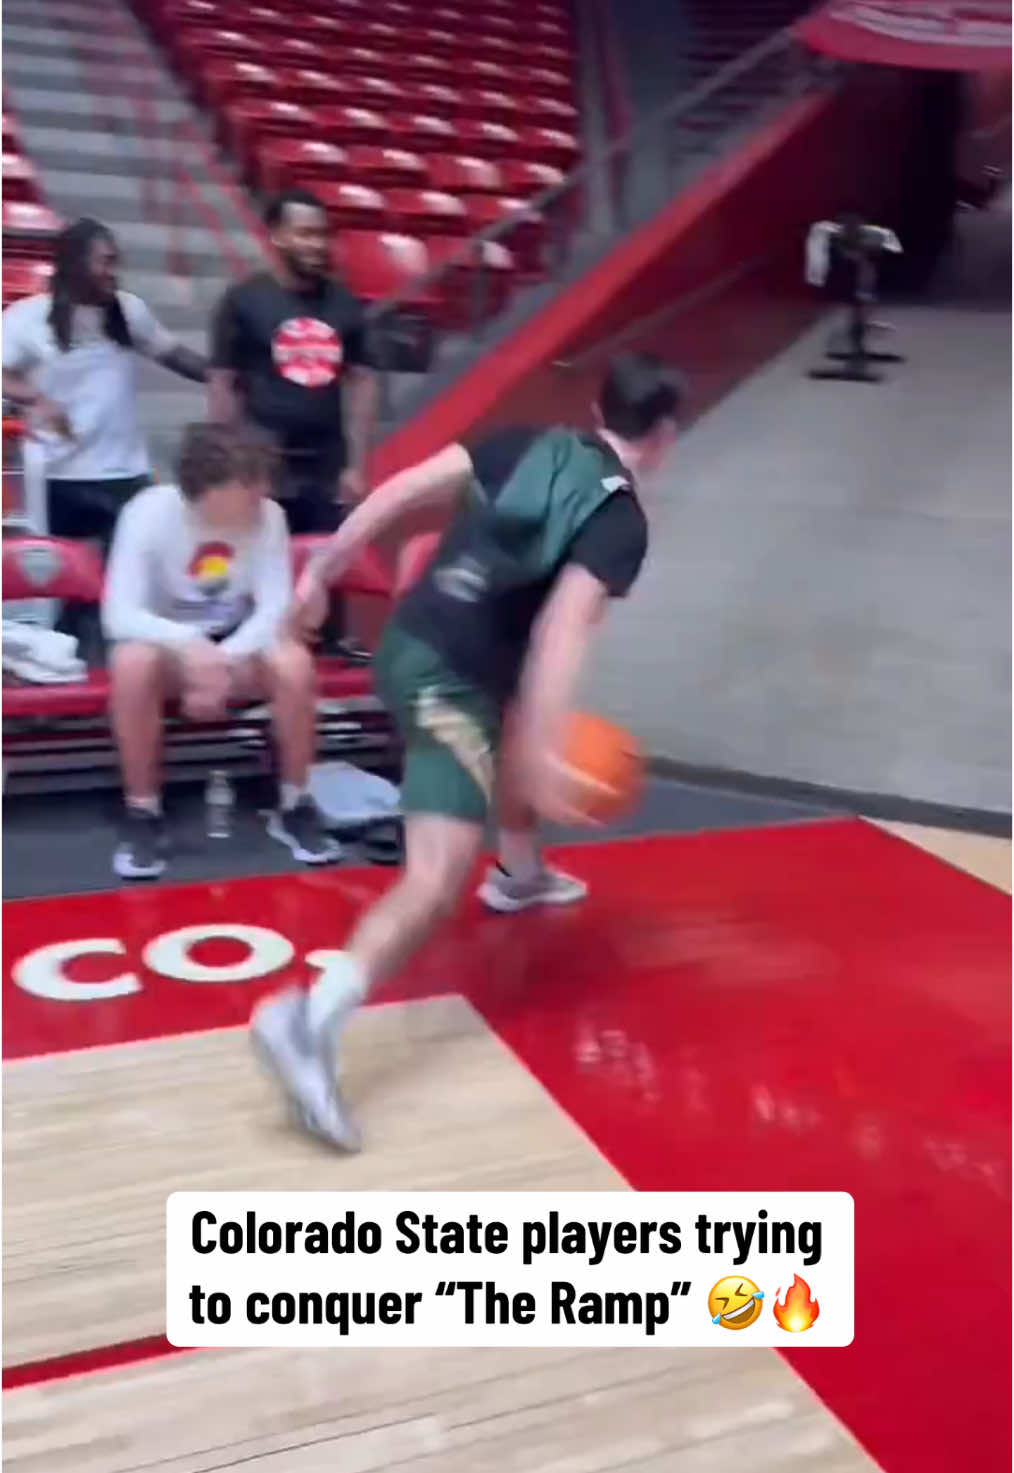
[(197, 592)]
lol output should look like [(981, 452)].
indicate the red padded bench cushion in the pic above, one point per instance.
[(336, 681), (87, 697)]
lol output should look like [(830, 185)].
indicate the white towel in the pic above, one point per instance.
[(40, 656), (818, 247), (348, 795)]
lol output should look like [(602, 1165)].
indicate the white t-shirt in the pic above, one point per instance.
[(94, 381), (171, 579)]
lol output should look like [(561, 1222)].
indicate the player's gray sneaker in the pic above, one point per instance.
[(501, 891), (300, 1061)]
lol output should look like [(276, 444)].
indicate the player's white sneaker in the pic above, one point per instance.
[(302, 1063), (502, 892)]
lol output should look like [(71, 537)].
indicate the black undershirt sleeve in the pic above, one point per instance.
[(495, 455), (613, 543)]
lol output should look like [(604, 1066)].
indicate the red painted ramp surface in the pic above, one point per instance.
[(814, 1007)]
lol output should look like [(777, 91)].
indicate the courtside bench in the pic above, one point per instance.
[(58, 736)]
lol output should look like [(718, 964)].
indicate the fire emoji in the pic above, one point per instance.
[(798, 1310)]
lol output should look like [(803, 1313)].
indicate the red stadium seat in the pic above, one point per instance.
[(433, 99), (20, 181), (251, 121), (478, 281), (266, 20), (381, 35), (503, 50), (551, 112), (549, 146), (302, 51), (379, 94), (24, 278), (353, 206), (350, 125), (196, 46), (11, 140), (309, 160), (224, 82), (462, 175), (29, 229), (427, 212), (546, 82), (544, 54), (442, 43), (382, 265), (311, 87), (329, 30), (493, 107), (367, 61), (387, 168), (524, 180), (440, 71), (491, 74), (526, 237), (489, 140), (449, 18), (421, 133), (172, 16)]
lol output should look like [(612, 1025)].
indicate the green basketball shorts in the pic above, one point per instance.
[(450, 729)]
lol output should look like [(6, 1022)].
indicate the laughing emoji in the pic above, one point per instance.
[(735, 1303)]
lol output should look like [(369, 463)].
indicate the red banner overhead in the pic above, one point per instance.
[(945, 34)]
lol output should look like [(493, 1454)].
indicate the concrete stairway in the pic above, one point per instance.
[(114, 137)]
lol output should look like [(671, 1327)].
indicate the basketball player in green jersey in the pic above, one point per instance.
[(479, 663)]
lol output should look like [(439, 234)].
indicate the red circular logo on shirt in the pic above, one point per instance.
[(307, 352)]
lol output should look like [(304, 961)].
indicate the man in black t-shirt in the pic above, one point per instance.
[(479, 664), (289, 352)]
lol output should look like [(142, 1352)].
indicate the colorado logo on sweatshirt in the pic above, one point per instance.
[(210, 566)]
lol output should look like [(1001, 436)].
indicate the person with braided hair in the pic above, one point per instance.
[(69, 364)]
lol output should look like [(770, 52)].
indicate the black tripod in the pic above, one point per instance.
[(854, 360)]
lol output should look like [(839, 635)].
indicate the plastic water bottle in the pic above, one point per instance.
[(218, 803)]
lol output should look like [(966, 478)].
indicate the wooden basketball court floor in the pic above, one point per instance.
[(818, 1005)]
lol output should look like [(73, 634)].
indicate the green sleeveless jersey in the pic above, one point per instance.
[(534, 499)]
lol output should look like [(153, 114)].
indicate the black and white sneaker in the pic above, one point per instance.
[(301, 830), (140, 854)]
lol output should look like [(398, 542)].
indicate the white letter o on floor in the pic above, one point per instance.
[(41, 972), (170, 956)]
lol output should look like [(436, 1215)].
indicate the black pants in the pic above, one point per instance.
[(88, 509), (306, 493)]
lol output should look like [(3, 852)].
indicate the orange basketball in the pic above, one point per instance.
[(609, 764)]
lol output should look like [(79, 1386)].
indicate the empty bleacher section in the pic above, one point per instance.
[(418, 126)]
